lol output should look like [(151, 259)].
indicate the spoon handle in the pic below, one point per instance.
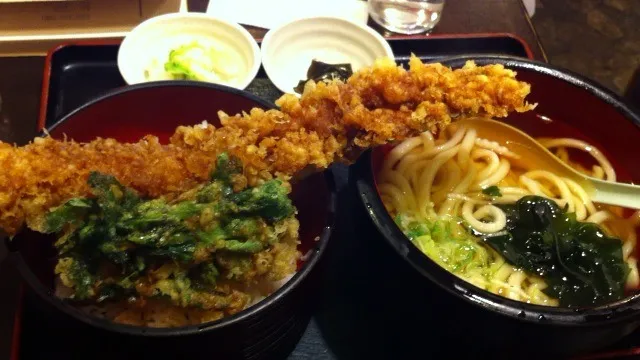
[(613, 193)]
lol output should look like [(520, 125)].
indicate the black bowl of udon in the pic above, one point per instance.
[(276, 311), (536, 266)]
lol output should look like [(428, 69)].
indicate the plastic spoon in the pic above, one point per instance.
[(537, 156)]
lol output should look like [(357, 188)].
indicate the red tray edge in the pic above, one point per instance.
[(46, 76)]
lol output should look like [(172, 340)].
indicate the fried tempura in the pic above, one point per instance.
[(330, 122)]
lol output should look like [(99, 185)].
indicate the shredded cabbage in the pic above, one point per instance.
[(446, 241), (196, 61)]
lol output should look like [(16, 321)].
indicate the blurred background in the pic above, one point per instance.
[(596, 38)]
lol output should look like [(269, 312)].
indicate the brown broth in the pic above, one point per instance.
[(544, 126)]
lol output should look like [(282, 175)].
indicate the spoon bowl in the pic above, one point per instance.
[(537, 156)]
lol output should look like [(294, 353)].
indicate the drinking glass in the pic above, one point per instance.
[(406, 16)]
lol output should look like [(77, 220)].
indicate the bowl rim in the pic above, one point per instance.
[(619, 311), (185, 16), (315, 252), (267, 39)]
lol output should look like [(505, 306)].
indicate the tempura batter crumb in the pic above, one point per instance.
[(330, 122)]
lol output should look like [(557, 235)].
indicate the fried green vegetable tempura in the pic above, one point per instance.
[(116, 246)]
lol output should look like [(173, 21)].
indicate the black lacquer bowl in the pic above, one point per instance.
[(486, 322), (267, 330)]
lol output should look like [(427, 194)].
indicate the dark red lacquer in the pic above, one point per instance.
[(127, 114), (578, 108)]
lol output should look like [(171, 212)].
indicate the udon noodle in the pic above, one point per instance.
[(433, 179)]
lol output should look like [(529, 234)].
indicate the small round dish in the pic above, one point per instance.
[(145, 51), (287, 51)]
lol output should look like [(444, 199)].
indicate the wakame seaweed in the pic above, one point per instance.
[(320, 71), (492, 191), (116, 244), (580, 263)]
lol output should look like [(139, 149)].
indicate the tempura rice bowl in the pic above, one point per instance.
[(275, 321)]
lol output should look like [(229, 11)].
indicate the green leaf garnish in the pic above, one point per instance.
[(492, 191)]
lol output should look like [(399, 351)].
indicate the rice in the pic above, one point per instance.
[(158, 313)]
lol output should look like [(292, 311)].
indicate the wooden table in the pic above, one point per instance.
[(21, 81)]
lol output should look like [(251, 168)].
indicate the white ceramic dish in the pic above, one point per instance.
[(148, 45), (287, 51)]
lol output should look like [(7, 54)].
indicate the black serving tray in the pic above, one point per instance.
[(359, 317), (76, 73)]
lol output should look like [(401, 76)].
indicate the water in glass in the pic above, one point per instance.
[(406, 16)]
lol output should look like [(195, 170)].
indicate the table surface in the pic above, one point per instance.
[(21, 82)]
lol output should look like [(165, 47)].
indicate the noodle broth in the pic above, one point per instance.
[(540, 126), (427, 185), (517, 329)]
